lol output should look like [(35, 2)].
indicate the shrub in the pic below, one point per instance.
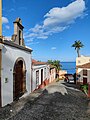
[(84, 88)]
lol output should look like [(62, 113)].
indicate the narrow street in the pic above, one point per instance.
[(58, 101)]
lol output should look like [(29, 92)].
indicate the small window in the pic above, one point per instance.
[(85, 72), (78, 61)]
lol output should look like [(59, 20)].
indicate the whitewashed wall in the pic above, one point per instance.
[(9, 57), (36, 68), (82, 60), (52, 75), (80, 72), (88, 76)]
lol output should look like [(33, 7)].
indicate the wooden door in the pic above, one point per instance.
[(0, 78), (84, 80), (18, 80)]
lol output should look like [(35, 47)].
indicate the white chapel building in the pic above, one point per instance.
[(15, 67)]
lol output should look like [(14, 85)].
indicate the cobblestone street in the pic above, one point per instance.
[(58, 101)]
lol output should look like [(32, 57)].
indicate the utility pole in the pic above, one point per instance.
[(0, 19)]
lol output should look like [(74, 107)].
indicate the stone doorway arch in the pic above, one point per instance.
[(19, 78)]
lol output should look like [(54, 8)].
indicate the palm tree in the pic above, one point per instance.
[(56, 64), (50, 62), (78, 44)]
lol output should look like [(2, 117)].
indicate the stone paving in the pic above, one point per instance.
[(58, 101)]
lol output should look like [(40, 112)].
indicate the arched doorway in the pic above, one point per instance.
[(19, 78)]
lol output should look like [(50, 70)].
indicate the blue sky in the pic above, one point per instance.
[(50, 26)]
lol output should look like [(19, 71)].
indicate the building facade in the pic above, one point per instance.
[(62, 73), (82, 60), (15, 67), (40, 74), (83, 69), (52, 74)]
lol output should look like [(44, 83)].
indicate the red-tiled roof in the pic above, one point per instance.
[(87, 65), (34, 62)]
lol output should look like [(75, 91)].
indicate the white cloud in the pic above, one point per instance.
[(31, 43), (65, 15), (12, 10), (7, 38), (29, 40), (7, 27), (53, 48), (57, 20), (5, 20), (36, 32)]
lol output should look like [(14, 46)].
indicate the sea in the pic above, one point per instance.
[(70, 67)]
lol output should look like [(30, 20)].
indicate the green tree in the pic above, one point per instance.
[(77, 45), (56, 64), (50, 62)]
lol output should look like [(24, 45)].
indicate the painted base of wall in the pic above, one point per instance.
[(45, 83)]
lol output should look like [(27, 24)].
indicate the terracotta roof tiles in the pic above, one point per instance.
[(34, 62), (87, 65)]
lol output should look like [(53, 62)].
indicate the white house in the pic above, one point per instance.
[(62, 73), (15, 66), (40, 74), (83, 69), (82, 60), (52, 74)]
